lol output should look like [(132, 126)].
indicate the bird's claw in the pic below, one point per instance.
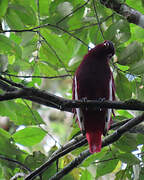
[(84, 99), (101, 99)]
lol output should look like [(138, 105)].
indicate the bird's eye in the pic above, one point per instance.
[(106, 44)]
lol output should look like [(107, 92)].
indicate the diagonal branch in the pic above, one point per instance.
[(132, 15)]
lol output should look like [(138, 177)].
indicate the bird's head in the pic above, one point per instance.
[(105, 49)]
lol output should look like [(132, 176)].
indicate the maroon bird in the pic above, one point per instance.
[(93, 80)]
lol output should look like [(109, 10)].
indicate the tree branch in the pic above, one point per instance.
[(48, 99), (132, 15)]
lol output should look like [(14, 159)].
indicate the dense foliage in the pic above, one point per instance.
[(45, 38)]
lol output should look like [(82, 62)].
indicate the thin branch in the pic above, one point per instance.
[(23, 166), (62, 19), (93, 24), (42, 77), (97, 18), (54, 51)]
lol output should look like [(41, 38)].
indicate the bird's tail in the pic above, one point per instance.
[(94, 141)]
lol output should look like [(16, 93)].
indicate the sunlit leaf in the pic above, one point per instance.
[(123, 87), (3, 7), (29, 136)]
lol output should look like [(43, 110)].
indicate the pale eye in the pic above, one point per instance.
[(106, 44)]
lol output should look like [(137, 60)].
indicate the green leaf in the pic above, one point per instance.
[(137, 68), (128, 158), (140, 138), (6, 111), (123, 87), (13, 20), (27, 37), (47, 69), (19, 113), (86, 175), (8, 46), (29, 136), (26, 14), (35, 160), (123, 174), (127, 143), (107, 166), (118, 32), (50, 171), (94, 157), (3, 7), (57, 47), (6, 148), (75, 20), (43, 5), (131, 54)]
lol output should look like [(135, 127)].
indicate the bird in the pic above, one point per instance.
[(93, 80)]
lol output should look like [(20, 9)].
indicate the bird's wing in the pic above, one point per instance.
[(109, 111), (78, 110)]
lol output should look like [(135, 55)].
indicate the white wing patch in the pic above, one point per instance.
[(107, 123), (78, 110)]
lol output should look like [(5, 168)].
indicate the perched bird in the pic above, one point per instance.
[(93, 80)]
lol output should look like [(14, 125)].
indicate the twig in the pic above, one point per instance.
[(72, 12), (97, 18), (23, 166), (42, 77)]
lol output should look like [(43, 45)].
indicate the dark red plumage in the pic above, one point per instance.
[(94, 80)]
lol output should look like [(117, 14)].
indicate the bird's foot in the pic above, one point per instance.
[(101, 100), (84, 99)]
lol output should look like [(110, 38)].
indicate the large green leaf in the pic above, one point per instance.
[(13, 20), (8, 46), (128, 158), (86, 175), (107, 166), (137, 68), (118, 31), (131, 54), (6, 148), (123, 87), (44, 10), (3, 7), (127, 143), (26, 14), (57, 47), (94, 157), (29, 136), (19, 113)]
